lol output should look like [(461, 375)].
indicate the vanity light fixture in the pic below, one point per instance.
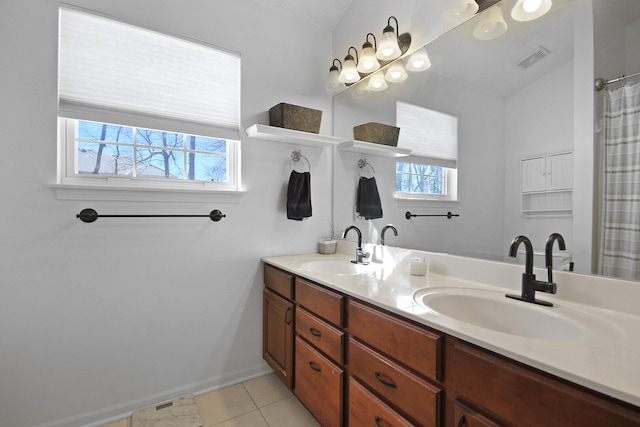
[(461, 11), (373, 57), (396, 73), (491, 24), (368, 62), (377, 82), (418, 60), (527, 10), (334, 82), (349, 73), (392, 46)]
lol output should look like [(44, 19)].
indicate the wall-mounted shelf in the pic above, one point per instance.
[(375, 149), (290, 136)]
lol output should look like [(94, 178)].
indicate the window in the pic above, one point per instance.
[(142, 108), (431, 170), (422, 179)]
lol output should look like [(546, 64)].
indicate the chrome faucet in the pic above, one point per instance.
[(548, 253), (360, 254), (529, 283), (384, 229)]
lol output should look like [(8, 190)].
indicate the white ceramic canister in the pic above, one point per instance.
[(418, 266)]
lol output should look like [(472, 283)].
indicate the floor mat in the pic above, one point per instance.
[(181, 412)]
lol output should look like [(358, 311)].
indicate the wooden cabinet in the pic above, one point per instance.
[(390, 357), (520, 396), (278, 323), (359, 365)]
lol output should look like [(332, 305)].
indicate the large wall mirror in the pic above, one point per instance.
[(527, 94)]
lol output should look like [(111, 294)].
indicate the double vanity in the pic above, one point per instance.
[(374, 345)]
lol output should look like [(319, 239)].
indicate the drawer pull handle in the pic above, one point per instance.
[(315, 332), (461, 420), (286, 316), (377, 421), (314, 367), (382, 380)]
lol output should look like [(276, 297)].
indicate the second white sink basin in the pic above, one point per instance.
[(492, 310)]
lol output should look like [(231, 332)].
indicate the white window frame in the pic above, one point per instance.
[(450, 185), (68, 173)]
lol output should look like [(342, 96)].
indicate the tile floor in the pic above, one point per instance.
[(261, 402)]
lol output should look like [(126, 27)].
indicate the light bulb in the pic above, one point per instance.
[(531, 6), (377, 82), (527, 10), (396, 73), (418, 60)]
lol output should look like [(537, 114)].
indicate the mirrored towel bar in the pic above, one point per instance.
[(449, 215), (90, 215)]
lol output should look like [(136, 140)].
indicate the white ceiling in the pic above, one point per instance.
[(324, 14)]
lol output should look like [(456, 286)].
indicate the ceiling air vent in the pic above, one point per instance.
[(533, 57)]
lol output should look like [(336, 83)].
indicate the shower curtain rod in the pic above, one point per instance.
[(602, 83)]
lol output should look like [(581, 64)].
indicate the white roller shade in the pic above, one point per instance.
[(110, 71), (431, 136)]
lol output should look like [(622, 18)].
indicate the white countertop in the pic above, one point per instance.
[(605, 359)]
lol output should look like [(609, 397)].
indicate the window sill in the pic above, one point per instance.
[(128, 194), (404, 201)]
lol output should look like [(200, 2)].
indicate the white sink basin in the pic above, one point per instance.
[(335, 266), (492, 310)]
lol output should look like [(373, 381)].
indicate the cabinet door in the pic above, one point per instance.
[(277, 335), (534, 175), (559, 174)]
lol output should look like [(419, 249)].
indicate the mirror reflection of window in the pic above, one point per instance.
[(431, 170)]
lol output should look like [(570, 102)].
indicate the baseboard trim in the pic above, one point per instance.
[(124, 410)]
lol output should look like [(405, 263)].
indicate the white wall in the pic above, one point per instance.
[(533, 129), (99, 319)]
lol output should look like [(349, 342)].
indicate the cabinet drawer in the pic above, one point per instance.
[(417, 348), (318, 384), (411, 395), (466, 417), (524, 397), (322, 335), (278, 281), (320, 301), (367, 410)]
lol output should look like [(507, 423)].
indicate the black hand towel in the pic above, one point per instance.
[(299, 196), (368, 200)]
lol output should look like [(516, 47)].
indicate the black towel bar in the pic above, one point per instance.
[(90, 215), (449, 215)]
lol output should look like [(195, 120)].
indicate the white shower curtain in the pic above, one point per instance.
[(620, 215)]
